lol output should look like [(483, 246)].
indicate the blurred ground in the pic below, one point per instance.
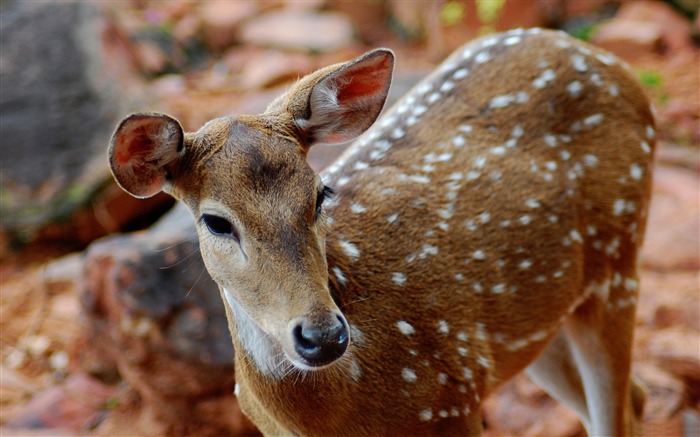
[(204, 60)]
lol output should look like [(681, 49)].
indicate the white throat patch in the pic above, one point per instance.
[(267, 355)]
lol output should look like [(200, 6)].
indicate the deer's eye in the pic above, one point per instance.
[(219, 226), (323, 194)]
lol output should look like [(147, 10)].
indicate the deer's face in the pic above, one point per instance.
[(258, 208), (258, 204)]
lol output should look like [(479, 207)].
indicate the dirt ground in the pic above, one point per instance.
[(40, 319)]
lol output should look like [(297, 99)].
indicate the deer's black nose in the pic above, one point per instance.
[(320, 343)]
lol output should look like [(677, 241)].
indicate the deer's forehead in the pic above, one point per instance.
[(253, 164)]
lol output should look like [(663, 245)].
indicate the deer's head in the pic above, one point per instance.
[(256, 201)]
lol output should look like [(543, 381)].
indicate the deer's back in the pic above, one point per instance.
[(518, 172)]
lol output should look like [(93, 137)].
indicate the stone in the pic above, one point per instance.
[(299, 29), (151, 308), (658, 309), (221, 21), (63, 406), (674, 200), (63, 93), (520, 407), (644, 26), (676, 28), (665, 392), (677, 351), (629, 38), (274, 67)]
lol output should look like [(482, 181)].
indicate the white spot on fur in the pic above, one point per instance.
[(498, 288), (636, 172), (443, 327), (483, 362), (349, 249), (544, 78), (399, 278), (426, 415), (579, 63), (532, 203), (502, 101), (525, 264), (482, 57), (550, 140), (593, 120), (358, 208), (512, 40), (408, 375), (575, 88), (460, 74), (405, 327), (446, 86), (338, 272)]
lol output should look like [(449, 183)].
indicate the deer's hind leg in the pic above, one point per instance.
[(587, 365), (556, 372), (600, 333)]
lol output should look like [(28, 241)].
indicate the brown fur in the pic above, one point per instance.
[(495, 232)]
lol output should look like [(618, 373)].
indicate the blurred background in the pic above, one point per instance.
[(109, 324)]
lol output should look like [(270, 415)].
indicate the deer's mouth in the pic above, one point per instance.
[(311, 344)]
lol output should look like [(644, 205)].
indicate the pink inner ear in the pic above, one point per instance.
[(374, 80), (136, 142)]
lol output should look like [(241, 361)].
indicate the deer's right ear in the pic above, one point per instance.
[(346, 102), (143, 151)]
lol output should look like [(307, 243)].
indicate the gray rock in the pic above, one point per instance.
[(60, 102)]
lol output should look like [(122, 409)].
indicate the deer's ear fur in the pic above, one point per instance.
[(338, 103), (143, 150)]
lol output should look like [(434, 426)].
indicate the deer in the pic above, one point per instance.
[(488, 224)]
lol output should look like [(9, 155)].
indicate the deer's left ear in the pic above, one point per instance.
[(345, 102), (143, 151)]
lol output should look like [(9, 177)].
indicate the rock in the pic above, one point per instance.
[(221, 21), (666, 394), (644, 26), (629, 38), (658, 309), (151, 308), (273, 67), (63, 93), (520, 407), (676, 28), (678, 352), (674, 200), (64, 407), (683, 119), (299, 29)]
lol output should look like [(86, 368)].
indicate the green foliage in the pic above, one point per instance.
[(583, 32), (651, 79), (489, 10), (452, 13)]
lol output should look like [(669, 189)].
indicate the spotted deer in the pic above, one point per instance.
[(488, 223)]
